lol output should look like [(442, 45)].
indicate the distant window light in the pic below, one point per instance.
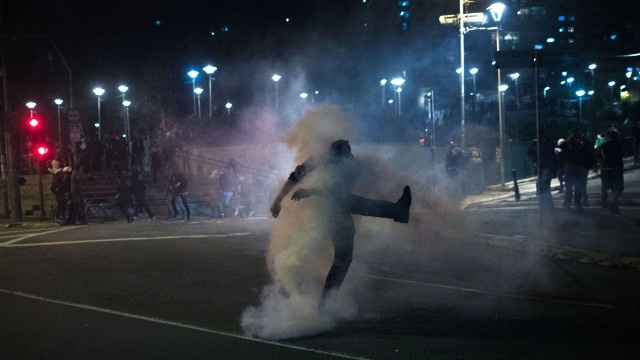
[(405, 26), (539, 46), (613, 36), (572, 18), (158, 22), (561, 18), (571, 41), (403, 3), (561, 30), (524, 12), (287, 20), (404, 14), (570, 29), (212, 33), (225, 28), (551, 40)]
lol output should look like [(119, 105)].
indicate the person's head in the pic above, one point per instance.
[(340, 148)]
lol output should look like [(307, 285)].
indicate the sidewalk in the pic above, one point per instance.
[(593, 236)]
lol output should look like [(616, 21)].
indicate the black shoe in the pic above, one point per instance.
[(402, 206)]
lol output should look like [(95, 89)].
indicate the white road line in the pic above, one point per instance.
[(77, 242), (174, 323), (8, 243), (463, 289)]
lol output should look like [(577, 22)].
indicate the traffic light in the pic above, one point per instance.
[(42, 150), (34, 123)]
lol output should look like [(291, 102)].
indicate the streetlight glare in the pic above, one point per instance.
[(126, 103), (193, 74), (473, 71), (592, 66), (31, 104), (383, 82), (58, 101), (503, 87), (123, 88), (397, 81), (580, 93), (514, 76), (276, 77), (496, 10), (98, 91), (198, 90), (209, 69)]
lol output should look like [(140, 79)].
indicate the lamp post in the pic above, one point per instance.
[(31, 105), (210, 69), (496, 11), (591, 68), (275, 79), (99, 92), (570, 82), (228, 105), (198, 91), (397, 83), (58, 103), (123, 89), (193, 75), (126, 104), (580, 94), (501, 90), (611, 85), (515, 77), (304, 96), (383, 86), (462, 106), (473, 71)]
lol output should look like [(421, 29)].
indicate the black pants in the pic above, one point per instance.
[(343, 232), (141, 204)]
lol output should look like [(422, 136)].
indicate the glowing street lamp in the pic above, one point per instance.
[(198, 91), (496, 10), (31, 105), (126, 104), (383, 85), (58, 103), (99, 92), (580, 93), (591, 68), (304, 96), (515, 77), (193, 75), (275, 79), (210, 69), (123, 89), (397, 83), (611, 85), (228, 105)]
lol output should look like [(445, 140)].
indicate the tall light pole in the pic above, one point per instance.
[(228, 105), (591, 68), (580, 94), (473, 71), (515, 77), (496, 10), (462, 31), (126, 104), (210, 69), (31, 105), (198, 91), (58, 103), (193, 75), (611, 85), (275, 79), (123, 89), (383, 85), (99, 92), (570, 81), (397, 83)]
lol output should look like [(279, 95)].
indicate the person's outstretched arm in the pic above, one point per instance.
[(276, 206)]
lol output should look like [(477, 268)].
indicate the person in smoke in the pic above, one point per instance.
[(338, 191)]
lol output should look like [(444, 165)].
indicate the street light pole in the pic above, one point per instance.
[(198, 91), (473, 72), (193, 75), (580, 94), (275, 79), (462, 106), (99, 92), (123, 89), (496, 13), (209, 69), (383, 85), (59, 102)]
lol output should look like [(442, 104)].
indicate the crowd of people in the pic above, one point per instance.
[(570, 159)]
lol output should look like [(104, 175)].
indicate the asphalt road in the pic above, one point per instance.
[(432, 289)]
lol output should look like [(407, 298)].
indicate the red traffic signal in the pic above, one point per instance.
[(33, 123), (42, 150)]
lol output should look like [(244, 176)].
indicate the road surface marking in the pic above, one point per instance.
[(10, 244), (477, 291), (174, 323)]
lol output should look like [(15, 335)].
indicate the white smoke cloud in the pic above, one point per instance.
[(300, 251)]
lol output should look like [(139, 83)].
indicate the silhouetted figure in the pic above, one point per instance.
[(612, 176), (340, 162)]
